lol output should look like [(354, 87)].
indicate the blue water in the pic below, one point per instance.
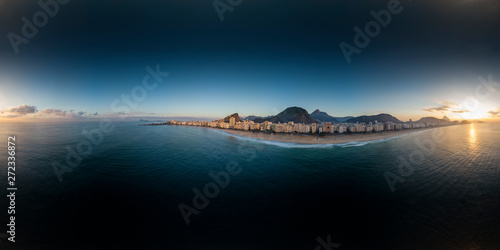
[(126, 192)]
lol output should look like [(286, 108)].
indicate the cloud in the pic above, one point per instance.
[(136, 113), (25, 110), (448, 103), (9, 116), (447, 106), (440, 108), (495, 113), (54, 112), (21, 110), (62, 113)]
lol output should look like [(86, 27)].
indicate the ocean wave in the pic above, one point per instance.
[(274, 143), (303, 145)]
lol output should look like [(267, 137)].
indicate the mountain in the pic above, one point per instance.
[(253, 117), (292, 114), (372, 118), (343, 119), (435, 120), (429, 120), (300, 115), (323, 116), (235, 115)]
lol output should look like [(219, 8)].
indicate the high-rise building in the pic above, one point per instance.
[(328, 126)]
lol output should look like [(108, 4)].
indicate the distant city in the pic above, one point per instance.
[(297, 120)]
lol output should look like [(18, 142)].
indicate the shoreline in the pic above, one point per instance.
[(322, 139)]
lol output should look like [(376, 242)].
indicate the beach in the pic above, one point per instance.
[(322, 139)]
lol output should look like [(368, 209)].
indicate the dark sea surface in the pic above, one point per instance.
[(126, 193)]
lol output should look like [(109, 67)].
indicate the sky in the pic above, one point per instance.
[(214, 58)]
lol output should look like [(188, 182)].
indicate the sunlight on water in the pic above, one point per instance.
[(472, 137)]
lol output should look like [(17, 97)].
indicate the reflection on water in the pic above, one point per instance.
[(472, 137)]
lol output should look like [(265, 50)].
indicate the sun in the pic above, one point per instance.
[(478, 113)]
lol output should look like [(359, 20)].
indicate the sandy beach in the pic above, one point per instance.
[(323, 139)]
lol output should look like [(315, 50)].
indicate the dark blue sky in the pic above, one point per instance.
[(263, 57)]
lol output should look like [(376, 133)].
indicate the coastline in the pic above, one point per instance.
[(322, 139)]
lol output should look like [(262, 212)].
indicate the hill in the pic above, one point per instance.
[(383, 118), (343, 119), (323, 117), (435, 120), (235, 115), (429, 120), (292, 114), (253, 117)]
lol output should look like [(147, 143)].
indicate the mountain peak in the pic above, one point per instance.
[(291, 114), (322, 116), (235, 115)]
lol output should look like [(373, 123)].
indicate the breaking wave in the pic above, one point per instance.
[(304, 145)]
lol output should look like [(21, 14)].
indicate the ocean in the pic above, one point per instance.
[(153, 187)]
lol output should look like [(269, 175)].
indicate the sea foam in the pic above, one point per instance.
[(304, 145)]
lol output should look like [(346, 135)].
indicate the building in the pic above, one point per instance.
[(328, 127), (314, 128)]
